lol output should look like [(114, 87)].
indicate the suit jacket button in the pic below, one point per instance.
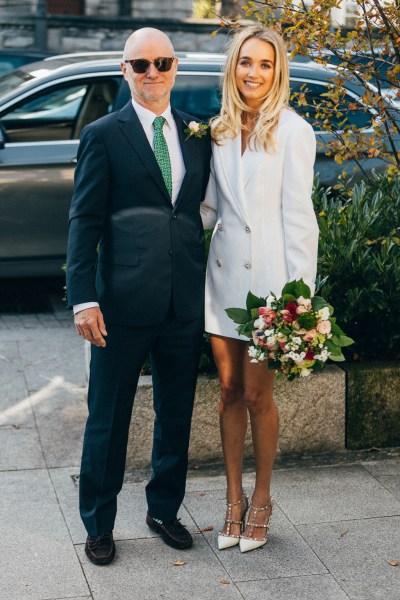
[(219, 263), (219, 227), (247, 229), (174, 216), (247, 265), (170, 252)]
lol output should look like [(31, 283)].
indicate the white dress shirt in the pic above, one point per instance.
[(146, 118)]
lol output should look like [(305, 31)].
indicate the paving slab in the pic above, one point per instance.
[(286, 554), (383, 467), (324, 494), (132, 507), (204, 483), (20, 449), (60, 411), (311, 587), (392, 484), (37, 556), (15, 408), (146, 570), (357, 554)]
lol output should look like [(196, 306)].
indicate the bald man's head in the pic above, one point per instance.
[(151, 88), (143, 39)]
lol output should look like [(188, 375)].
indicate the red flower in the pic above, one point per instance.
[(310, 355), (292, 308)]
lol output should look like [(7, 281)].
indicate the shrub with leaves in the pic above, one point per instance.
[(359, 262)]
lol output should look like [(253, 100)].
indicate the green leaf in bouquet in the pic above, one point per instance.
[(253, 301), (318, 302), (337, 357), (342, 340), (238, 315), (336, 330), (296, 289), (273, 365), (246, 329), (254, 313), (333, 348), (288, 298)]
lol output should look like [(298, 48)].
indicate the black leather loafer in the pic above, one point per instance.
[(172, 532), (100, 550)]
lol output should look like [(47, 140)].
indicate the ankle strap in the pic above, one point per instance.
[(230, 504), (269, 505)]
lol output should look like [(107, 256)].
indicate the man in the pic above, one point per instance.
[(135, 278)]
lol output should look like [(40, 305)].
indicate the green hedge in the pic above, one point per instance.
[(359, 263)]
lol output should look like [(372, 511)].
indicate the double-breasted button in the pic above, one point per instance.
[(219, 227), (174, 216), (247, 229), (219, 263), (171, 252), (247, 264)]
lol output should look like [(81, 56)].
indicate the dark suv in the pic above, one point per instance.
[(43, 109)]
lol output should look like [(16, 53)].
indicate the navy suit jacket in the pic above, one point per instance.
[(128, 247)]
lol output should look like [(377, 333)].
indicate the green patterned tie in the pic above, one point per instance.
[(161, 153)]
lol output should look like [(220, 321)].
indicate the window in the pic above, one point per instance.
[(306, 96), (61, 112)]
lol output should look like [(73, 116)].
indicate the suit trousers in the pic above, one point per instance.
[(174, 348)]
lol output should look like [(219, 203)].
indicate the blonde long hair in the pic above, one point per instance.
[(228, 124)]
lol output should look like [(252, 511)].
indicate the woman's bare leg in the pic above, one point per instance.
[(229, 356)]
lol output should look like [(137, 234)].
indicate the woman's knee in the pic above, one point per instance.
[(258, 402), (231, 394)]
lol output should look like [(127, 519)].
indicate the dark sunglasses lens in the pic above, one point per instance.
[(163, 64), (140, 65)]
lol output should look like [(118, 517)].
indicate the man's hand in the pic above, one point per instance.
[(89, 323)]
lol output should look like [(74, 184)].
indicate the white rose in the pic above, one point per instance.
[(306, 302), (194, 126), (305, 372), (323, 313)]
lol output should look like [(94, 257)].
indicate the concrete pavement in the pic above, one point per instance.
[(335, 528)]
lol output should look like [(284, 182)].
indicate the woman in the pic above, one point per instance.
[(266, 234)]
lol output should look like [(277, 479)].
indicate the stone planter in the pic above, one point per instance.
[(311, 410), (373, 405)]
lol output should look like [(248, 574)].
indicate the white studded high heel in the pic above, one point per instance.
[(251, 543), (227, 540)]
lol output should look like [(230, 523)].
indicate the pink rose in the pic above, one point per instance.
[(324, 327), (309, 335), (301, 309)]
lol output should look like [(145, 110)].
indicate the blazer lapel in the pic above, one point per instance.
[(133, 131), (229, 158)]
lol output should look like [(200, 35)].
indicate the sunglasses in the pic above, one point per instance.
[(140, 65)]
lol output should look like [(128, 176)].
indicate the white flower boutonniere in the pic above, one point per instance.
[(195, 129)]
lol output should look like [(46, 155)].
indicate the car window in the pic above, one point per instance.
[(306, 96), (61, 112), (198, 95)]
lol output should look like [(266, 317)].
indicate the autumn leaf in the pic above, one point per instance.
[(202, 494), (341, 535), (179, 563), (224, 581), (394, 563), (208, 528)]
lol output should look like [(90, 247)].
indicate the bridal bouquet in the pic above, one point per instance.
[(296, 333)]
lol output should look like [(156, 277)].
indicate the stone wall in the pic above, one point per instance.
[(311, 413), (72, 34)]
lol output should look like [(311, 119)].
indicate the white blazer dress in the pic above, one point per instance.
[(265, 232)]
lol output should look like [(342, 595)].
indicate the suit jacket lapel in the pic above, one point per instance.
[(133, 131), (187, 148)]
